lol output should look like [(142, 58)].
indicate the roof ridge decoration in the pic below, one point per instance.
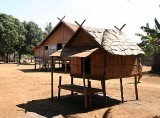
[(120, 29), (61, 18)]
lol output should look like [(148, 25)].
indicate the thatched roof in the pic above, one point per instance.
[(116, 42)]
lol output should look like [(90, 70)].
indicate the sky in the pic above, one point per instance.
[(98, 13)]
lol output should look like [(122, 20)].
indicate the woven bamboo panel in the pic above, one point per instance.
[(120, 66)]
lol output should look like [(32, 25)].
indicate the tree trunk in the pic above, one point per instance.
[(19, 58), (7, 58), (31, 58), (156, 63), (14, 57)]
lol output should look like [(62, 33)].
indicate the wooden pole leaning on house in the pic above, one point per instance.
[(52, 78), (135, 84), (121, 87)]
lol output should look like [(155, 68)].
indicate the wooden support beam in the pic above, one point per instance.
[(84, 84), (65, 64), (135, 84), (121, 87), (104, 90), (59, 90), (54, 64), (35, 63), (71, 84), (59, 62), (89, 96), (52, 78)]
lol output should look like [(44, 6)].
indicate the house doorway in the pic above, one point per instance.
[(59, 46), (87, 65)]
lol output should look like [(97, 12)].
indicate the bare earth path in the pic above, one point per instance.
[(25, 93)]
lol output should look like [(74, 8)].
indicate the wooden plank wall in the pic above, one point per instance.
[(98, 63), (76, 66), (120, 66), (83, 39), (61, 35), (38, 53)]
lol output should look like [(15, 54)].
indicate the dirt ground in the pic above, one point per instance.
[(25, 93)]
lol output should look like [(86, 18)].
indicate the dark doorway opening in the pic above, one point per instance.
[(59, 46), (46, 47), (87, 65)]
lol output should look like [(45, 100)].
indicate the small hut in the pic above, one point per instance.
[(56, 40), (99, 54)]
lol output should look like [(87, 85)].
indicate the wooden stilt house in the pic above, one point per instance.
[(99, 54), (56, 40)]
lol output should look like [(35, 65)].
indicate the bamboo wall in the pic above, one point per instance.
[(116, 66), (76, 66), (98, 63), (120, 66)]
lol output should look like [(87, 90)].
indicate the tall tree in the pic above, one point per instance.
[(33, 36), (152, 42), (11, 32), (48, 28)]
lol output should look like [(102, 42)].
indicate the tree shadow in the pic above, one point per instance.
[(66, 106)]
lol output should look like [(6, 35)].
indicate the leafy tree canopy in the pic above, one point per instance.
[(11, 29), (33, 36)]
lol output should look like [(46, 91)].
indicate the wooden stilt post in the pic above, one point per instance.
[(52, 78), (71, 84), (103, 89), (90, 97), (84, 84), (65, 64), (59, 62), (45, 64), (35, 63), (39, 64), (59, 90), (121, 90), (136, 90), (54, 64)]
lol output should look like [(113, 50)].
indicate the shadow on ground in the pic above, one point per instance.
[(66, 106), (32, 70), (42, 70), (26, 63)]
